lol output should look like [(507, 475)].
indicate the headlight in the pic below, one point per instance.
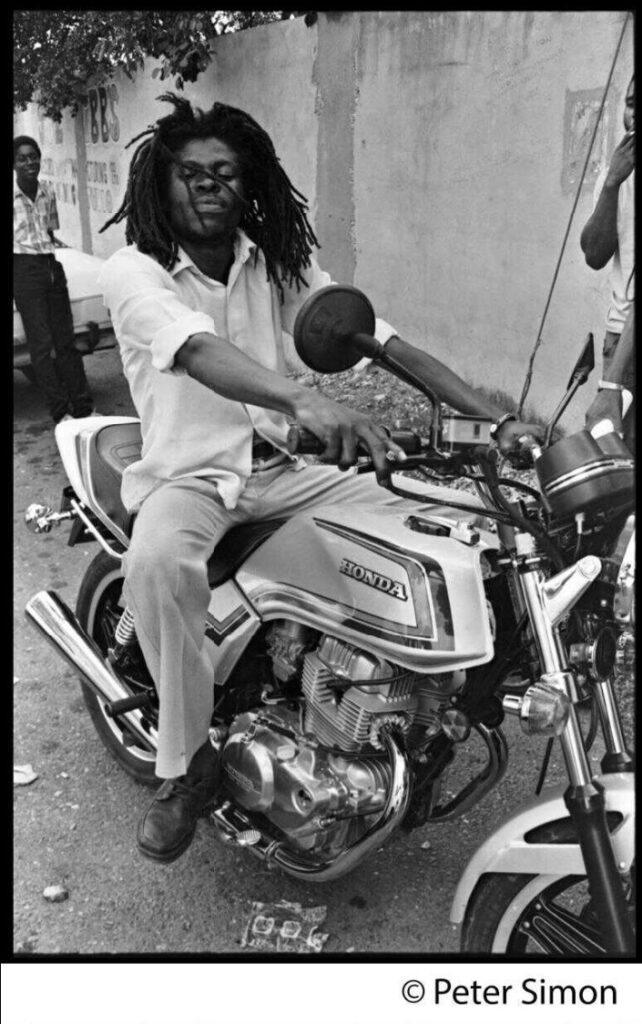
[(543, 710)]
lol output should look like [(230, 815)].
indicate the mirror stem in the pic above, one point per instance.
[(366, 345), (560, 409), (409, 377)]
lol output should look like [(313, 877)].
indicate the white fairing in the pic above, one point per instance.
[(365, 576), (69, 434), (507, 850)]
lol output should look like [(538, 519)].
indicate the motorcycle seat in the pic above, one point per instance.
[(116, 446), (112, 448)]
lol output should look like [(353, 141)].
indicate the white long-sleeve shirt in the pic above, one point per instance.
[(188, 429)]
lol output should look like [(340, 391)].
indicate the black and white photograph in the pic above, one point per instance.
[(324, 510)]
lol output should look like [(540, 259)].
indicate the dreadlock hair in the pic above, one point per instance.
[(274, 216)]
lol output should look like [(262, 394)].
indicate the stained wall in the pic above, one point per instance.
[(440, 153)]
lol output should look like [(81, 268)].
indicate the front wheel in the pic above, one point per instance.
[(535, 915), (98, 611)]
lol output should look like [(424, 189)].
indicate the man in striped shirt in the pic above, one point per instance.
[(40, 290)]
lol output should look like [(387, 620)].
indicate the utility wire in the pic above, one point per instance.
[(538, 342)]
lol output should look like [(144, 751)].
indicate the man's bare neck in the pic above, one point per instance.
[(214, 260)]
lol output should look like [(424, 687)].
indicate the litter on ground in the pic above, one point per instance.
[(284, 927)]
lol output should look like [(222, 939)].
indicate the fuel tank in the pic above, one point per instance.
[(373, 579)]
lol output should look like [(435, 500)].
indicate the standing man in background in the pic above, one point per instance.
[(609, 234), (616, 391), (40, 290)]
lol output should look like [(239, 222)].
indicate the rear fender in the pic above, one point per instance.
[(509, 850)]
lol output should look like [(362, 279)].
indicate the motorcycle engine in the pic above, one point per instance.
[(373, 693), (272, 768), (313, 770)]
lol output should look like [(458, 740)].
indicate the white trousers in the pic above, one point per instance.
[(166, 585)]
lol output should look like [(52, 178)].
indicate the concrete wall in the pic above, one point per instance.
[(440, 153)]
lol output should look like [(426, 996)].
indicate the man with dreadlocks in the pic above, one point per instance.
[(218, 263)]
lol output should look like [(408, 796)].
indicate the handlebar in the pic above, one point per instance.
[(304, 442)]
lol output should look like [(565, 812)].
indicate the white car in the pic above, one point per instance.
[(92, 326)]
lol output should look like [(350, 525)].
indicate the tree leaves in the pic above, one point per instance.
[(57, 53)]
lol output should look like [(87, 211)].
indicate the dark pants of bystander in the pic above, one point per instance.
[(41, 297)]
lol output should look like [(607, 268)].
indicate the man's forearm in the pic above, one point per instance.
[(622, 361), (231, 373), (341, 431), (599, 236), (449, 387)]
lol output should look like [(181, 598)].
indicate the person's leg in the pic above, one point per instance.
[(31, 283), (285, 492), (167, 590), (69, 362)]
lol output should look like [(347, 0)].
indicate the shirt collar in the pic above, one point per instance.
[(244, 247)]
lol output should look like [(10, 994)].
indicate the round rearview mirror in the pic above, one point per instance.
[(324, 324)]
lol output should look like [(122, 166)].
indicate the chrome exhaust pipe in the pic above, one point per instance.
[(235, 827), (61, 628)]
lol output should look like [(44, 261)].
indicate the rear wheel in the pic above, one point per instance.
[(98, 611)]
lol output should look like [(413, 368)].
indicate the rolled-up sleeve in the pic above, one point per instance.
[(383, 331), (294, 297), (167, 341), (145, 310)]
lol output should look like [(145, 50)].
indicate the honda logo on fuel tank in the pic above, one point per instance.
[(373, 579)]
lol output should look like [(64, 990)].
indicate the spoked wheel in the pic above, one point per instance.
[(535, 915), (98, 611)]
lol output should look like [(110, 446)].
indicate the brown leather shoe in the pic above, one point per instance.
[(169, 823)]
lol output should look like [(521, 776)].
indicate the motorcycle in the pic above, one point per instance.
[(356, 651)]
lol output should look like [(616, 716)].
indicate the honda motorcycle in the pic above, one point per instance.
[(357, 650)]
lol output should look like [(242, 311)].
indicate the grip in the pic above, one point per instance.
[(304, 442)]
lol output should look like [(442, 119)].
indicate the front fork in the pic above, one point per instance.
[(547, 601)]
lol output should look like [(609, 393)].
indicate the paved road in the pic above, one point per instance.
[(75, 825)]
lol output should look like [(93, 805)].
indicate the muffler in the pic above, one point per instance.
[(235, 827), (59, 625)]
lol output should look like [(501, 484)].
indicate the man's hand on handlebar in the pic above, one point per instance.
[(607, 405), (346, 434)]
